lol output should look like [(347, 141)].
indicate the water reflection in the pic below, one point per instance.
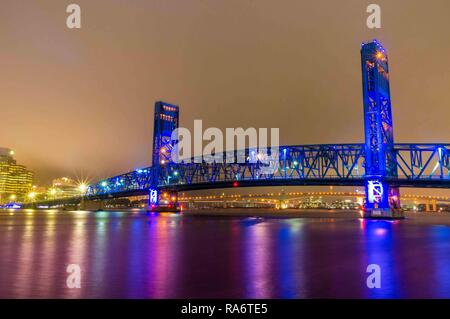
[(137, 255), (45, 282), (257, 259), (380, 249), (290, 257), (440, 260), (24, 268), (161, 256)]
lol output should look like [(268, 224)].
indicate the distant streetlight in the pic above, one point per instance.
[(53, 192), (31, 196)]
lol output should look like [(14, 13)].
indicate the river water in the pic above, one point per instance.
[(135, 254)]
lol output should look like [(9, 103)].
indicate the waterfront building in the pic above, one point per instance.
[(63, 187), (15, 180)]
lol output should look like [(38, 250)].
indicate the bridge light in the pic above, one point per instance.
[(175, 173), (163, 162), (380, 55), (163, 150), (82, 188), (235, 184), (104, 184)]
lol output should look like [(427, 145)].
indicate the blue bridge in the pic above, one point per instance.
[(378, 164)]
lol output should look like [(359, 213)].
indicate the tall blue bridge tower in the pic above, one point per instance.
[(166, 121), (380, 166)]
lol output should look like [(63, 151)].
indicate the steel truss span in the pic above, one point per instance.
[(417, 165)]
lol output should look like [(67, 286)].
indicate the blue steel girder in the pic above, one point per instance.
[(426, 165), (302, 163), (422, 161), (295, 162)]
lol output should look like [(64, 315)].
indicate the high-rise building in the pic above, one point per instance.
[(15, 180)]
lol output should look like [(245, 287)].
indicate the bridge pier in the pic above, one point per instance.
[(163, 201), (382, 201)]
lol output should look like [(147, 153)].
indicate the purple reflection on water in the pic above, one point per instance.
[(136, 255), (379, 243), (258, 256)]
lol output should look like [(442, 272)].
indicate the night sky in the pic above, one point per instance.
[(80, 102)]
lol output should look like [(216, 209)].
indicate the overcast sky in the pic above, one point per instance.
[(81, 101)]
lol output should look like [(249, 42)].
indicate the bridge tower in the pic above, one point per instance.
[(382, 201), (166, 120)]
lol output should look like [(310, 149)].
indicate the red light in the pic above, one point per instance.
[(235, 184)]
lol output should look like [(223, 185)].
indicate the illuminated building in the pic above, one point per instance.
[(63, 187), (15, 180)]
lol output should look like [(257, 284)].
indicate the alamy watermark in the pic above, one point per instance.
[(229, 147), (73, 21), (74, 278), (374, 279), (374, 19)]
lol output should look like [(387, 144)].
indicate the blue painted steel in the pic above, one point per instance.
[(378, 124), (166, 121), (417, 165)]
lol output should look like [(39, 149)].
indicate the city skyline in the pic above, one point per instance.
[(98, 116)]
